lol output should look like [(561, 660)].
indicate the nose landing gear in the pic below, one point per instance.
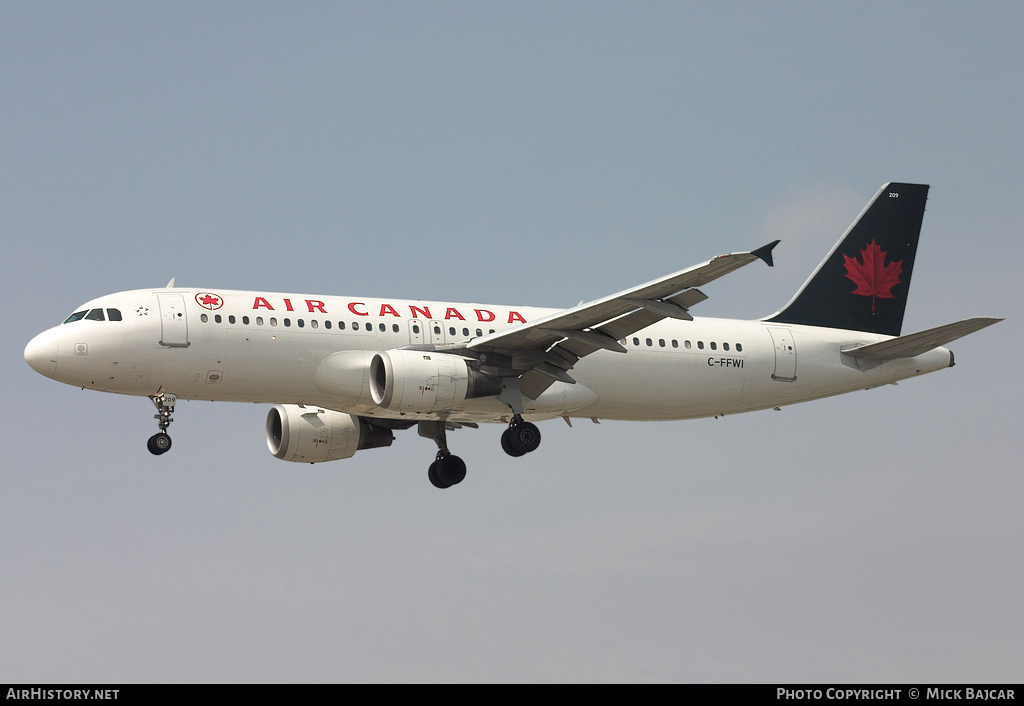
[(160, 443)]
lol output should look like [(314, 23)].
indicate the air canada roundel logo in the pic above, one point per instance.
[(209, 301)]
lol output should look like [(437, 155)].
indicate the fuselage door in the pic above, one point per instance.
[(173, 323), (785, 354), (415, 331), (436, 332)]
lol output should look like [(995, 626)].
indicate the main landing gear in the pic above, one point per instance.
[(160, 443), (447, 469), (520, 438)]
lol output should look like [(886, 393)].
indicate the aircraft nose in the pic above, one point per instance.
[(41, 353)]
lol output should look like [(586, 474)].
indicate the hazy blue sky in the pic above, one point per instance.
[(535, 154)]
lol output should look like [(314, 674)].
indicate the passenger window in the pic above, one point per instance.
[(341, 325), (415, 328), (382, 328), (725, 346), (314, 323), (245, 320), (649, 343), (273, 321), (369, 326), (394, 327), (739, 347), (714, 346), (661, 342), (636, 341), (259, 320), (113, 314), (687, 345), (451, 330), (204, 318), (675, 343), (327, 324), (76, 316), (700, 345), (300, 323), (465, 332), (95, 315), (479, 332), (287, 322), (217, 318), (231, 318)]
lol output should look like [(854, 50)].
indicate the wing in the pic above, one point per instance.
[(544, 350)]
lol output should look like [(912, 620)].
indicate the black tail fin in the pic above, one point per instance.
[(863, 283)]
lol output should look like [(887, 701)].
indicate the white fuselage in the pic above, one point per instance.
[(263, 347)]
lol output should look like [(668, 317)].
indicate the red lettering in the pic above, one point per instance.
[(315, 305), (261, 303), (453, 314), (514, 316), (388, 309), (480, 315), (288, 305), (422, 312), (352, 307)]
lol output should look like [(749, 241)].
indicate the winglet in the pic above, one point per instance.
[(765, 252)]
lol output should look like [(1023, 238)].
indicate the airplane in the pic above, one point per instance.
[(344, 373)]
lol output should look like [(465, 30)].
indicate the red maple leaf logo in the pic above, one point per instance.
[(872, 276), (209, 301)]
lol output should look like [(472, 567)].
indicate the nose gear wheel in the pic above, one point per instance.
[(160, 443)]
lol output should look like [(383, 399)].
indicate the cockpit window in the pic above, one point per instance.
[(94, 315)]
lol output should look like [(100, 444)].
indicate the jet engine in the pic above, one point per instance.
[(314, 434), (422, 381)]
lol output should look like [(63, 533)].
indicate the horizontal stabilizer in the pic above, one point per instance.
[(921, 342)]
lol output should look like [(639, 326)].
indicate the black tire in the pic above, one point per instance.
[(524, 437), (159, 444), (435, 479), (451, 470), (506, 444)]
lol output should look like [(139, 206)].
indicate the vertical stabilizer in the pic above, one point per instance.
[(863, 283)]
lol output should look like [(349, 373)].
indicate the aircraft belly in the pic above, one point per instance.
[(663, 384)]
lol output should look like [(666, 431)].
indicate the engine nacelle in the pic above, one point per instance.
[(314, 434), (421, 381), (345, 377)]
